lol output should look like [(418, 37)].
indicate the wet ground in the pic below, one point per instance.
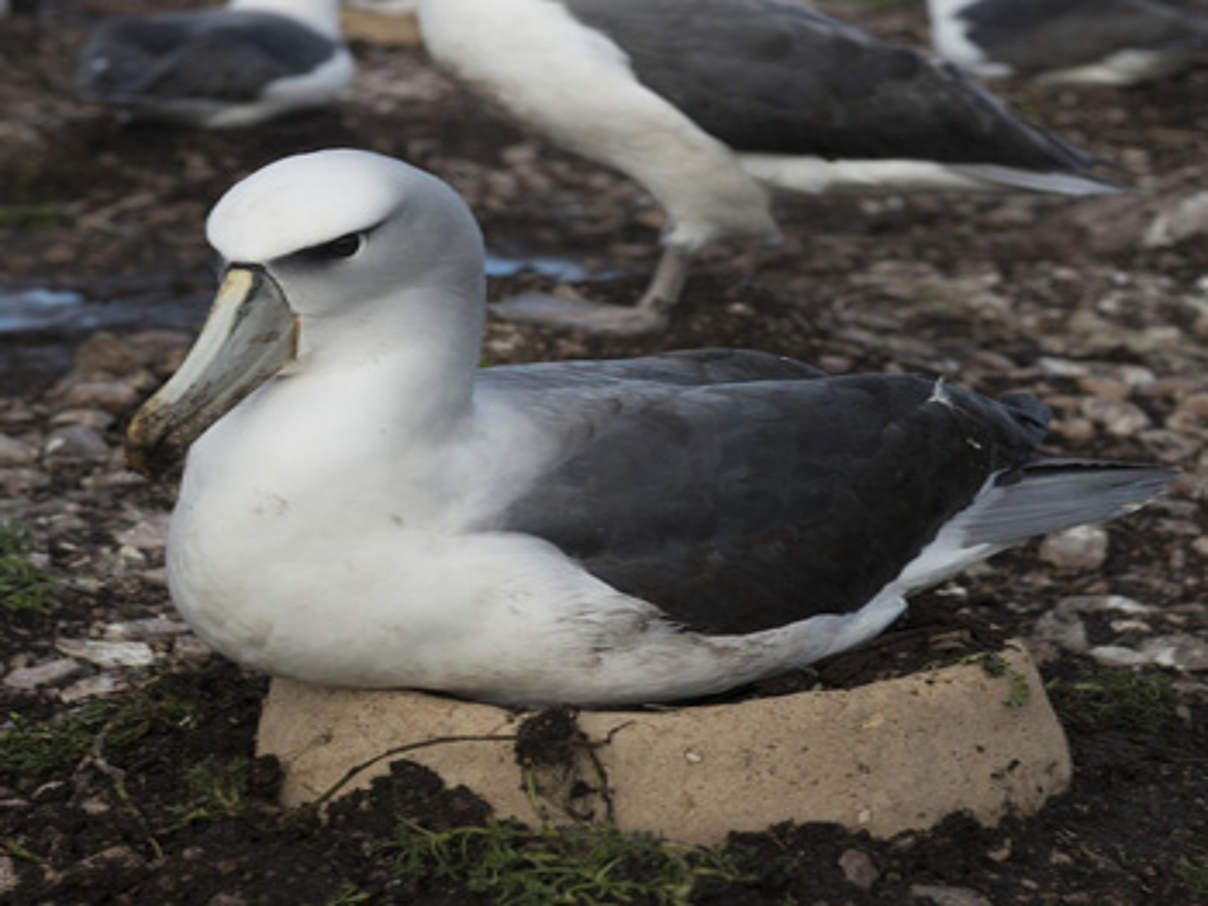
[(125, 764)]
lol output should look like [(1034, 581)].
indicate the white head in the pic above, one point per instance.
[(336, 261)]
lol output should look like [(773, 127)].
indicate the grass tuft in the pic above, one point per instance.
[(23, 587), (1117, 698), (578, 864), (32, 749), (215, 788)]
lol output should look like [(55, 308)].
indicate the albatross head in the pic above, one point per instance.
[(331, 259)]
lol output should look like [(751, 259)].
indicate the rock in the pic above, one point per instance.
[(1170, 446), (15, 452), (76, 443), (1064, 629), (1119, 417), (110, 396), (141, 630), (1118, 656), (107, 654), (105, 352), (1079, 547), (858, 868), (93, 687), (149, 533), (226, 899), (1180, 651), (1095, 603), (191, 649), (96, 419), (19, 482), (9, 879), (48, 673), (948, 896)]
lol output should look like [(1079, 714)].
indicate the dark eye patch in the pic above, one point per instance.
[(342, 247)]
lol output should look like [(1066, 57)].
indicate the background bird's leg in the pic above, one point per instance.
[(649, 315)]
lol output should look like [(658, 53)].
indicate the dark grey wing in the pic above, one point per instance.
[(772, 76), (219, 55), (744, 506), (1035, 35)]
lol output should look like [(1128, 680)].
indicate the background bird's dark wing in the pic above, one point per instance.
[(747, 505), (1034, 35), (221, 55), (773, 76)]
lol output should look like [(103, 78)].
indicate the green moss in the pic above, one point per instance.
[(32, 749), (515, 866), (32, 216), (1193, 874), (23, 587), (1111, 698), (347, 895), (215, 790)]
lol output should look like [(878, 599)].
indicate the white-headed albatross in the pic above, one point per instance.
[(1107, 42), (219, 68), (376, 511), (708, 103)]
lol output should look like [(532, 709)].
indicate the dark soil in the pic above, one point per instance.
[(151, 795)]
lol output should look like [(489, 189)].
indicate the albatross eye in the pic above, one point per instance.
[(344, 247)]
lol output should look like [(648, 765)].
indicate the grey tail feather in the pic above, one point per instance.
[(1048, 495), (1054, 182)]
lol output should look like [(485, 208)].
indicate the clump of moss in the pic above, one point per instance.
[(33, 216), (215, 790), (516, 866), (32, 749), (1117, 698), (23, 587)]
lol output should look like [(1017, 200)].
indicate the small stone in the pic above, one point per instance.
[(1077, 430), (1118, 656), (1065, 630), (14, 452), (96, 419), (948, 896), (148, 533), (107, 654), (48, 673), (1096, 603), (859, 868), (105, 352), (191, 649), (1180, 651), (93, 687), (1051, 366), (76, 443), (1119, 417), (19, 482), (9, 879), (111, 396), (1098, 385), (141, 630), (227, 899), (131, 557), (1079, 547), (1200, 546), (1169, 446)]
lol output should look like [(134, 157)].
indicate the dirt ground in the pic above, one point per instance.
[(126, 768)]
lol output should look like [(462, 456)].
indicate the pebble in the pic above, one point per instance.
[(107, 654), (191, 649), (92, 687), (149, 533), (76, 443), (1080, 547), (15, 452), (142, 630), (1119, 417), (45, 674), (858, 868), (9, 879), (19, 482), (948, 896), (97, 419), (111, 396), (105, 352)]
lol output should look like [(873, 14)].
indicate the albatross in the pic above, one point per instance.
[(708, 104), (376, 511), (219, 68), (1106, 42)]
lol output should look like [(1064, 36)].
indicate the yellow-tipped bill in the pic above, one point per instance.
[(249, 334)]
